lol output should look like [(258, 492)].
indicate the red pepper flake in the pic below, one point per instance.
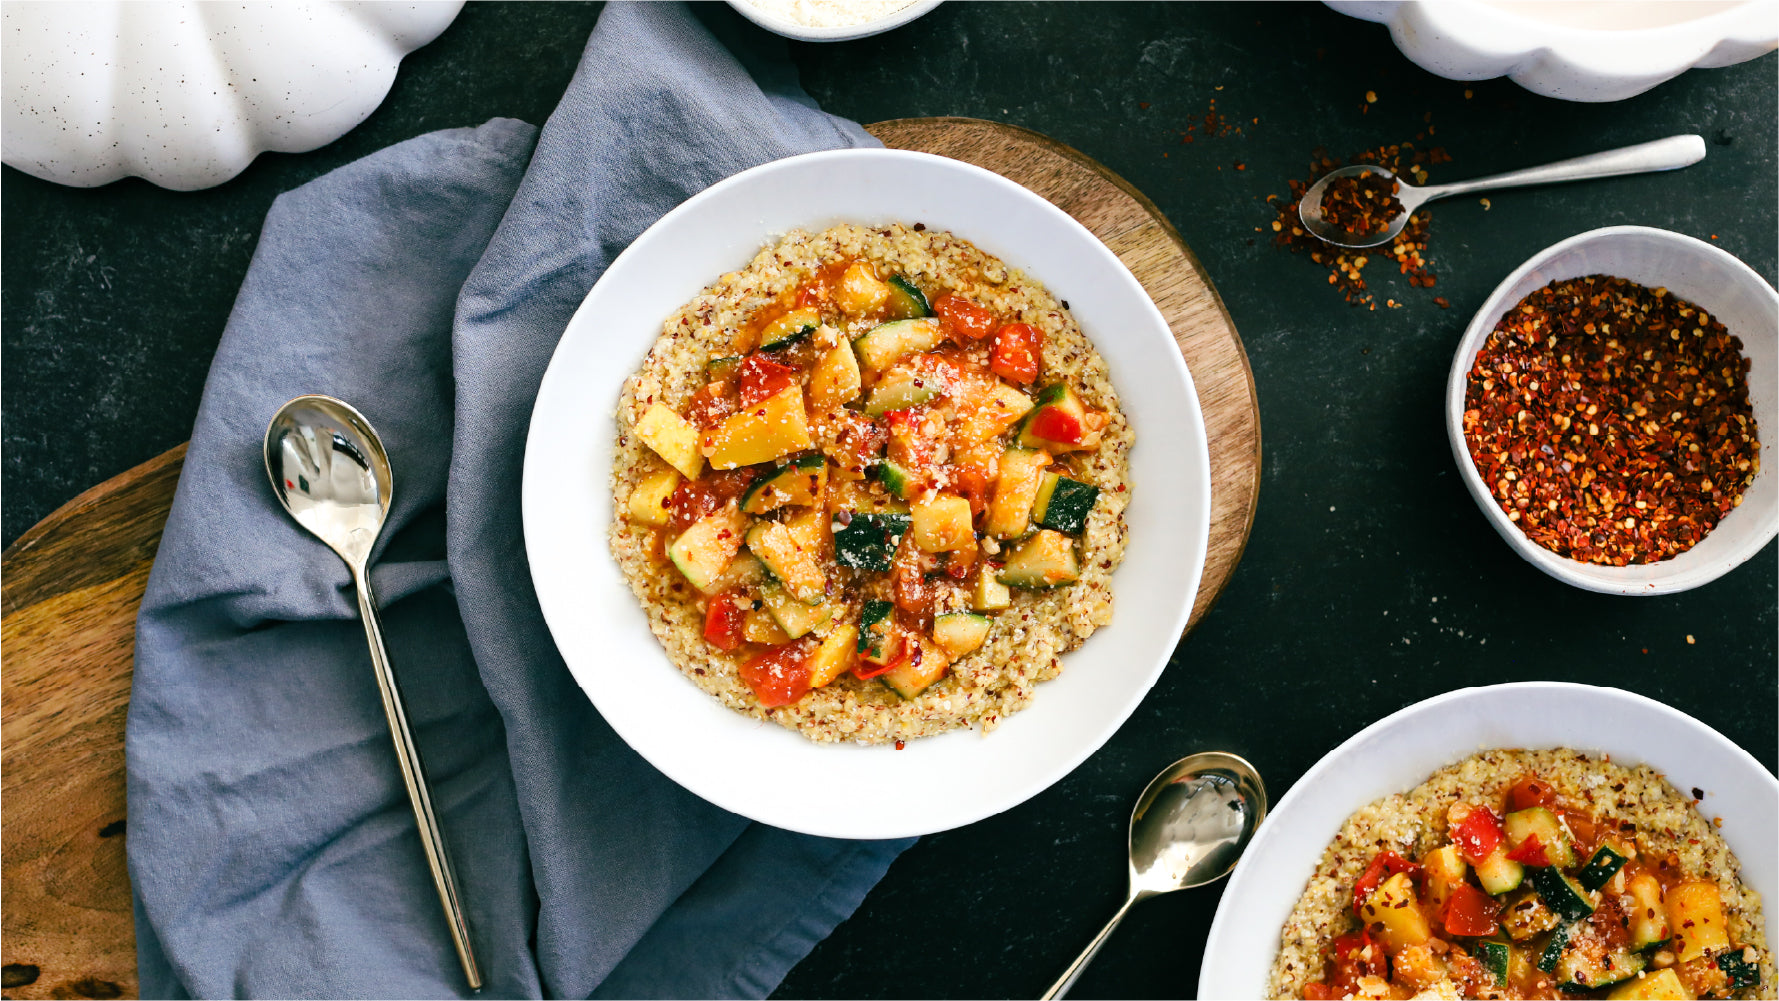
[(1611, 421), (900, 744), (1442, 302)]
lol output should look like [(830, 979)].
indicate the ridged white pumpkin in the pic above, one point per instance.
[(187, 94)]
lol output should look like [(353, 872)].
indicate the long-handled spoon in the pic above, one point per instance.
[(1662, 154), (1188, 829), (330, 471)]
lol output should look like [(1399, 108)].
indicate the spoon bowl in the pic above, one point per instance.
[(1188, 829)]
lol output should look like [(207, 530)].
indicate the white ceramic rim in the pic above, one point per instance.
[(835, 33), (1023, 734), (1665, 577), (1235, 966)]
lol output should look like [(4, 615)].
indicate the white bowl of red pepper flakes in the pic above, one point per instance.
[(1605, 432)]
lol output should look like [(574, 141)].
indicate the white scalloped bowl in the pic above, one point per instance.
[(1400, 751), (1727, 289), (772, 22), (1581, 50), (187, 94)]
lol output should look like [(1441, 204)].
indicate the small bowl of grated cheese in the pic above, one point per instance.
[(831, 20)]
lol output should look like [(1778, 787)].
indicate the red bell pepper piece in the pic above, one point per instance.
[(963, 320), (780, 676), (1477, 835), (1057, 424), (1017, 353), (1530, 852), (762, 377), (1471, 912)]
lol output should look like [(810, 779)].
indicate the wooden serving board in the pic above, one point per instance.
[(69, 589)]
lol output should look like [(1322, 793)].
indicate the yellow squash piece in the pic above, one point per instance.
[(859, 291), (705, 549), (1016, 489), (648, 502), (942, 525), (835, 656), (795, 568), (673, 438), (1662, 985), (1393, 906), (834, 381), (1695, 912), (771, 429)]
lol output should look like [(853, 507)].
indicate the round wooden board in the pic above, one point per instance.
[(70, 586)]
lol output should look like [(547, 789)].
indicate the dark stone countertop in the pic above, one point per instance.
[(1371, 580)]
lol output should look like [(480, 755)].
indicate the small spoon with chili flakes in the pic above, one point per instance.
[(1365, 205)]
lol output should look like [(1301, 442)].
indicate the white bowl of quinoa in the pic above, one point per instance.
[(1600, 453), (768, 772), (1379, 780)]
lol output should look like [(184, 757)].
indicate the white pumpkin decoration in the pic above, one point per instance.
[(186, 94)]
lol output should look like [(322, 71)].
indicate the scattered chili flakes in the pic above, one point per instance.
[(1211, 125), (1611, 421), (1345, 267)]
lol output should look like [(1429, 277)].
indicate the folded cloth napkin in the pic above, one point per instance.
[(272, 848)]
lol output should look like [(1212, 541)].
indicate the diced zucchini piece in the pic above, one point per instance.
[(1064, 504), (799, 481), (925, 665), (794, 568), (1524, 915), (1662, 985), (1600, 869), (789, 328), (990, 595), (1016, 490), (1541, 822), (906, 302), (960, 632), (648, 501), (1047, 559), (899, 389), (1392, 905), (835, 379), (1587, 965), (1495, 957), (897, 479), (1062, 399), (1741, 966), (795, 617), (743, 570), (771, 429), (723, 368), (706, 548), (875, 630), (868, 541), (1560, 893), (888, 343), (1695, 912), (1444, 869), (859, 292), (990, 411), (1649, 916), (942, 525), (673, 438), (834, 657), (1553, 950), (758, 626), (1498, 873)]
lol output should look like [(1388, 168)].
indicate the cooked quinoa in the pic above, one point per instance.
[(1028, 639), (1414, 823)]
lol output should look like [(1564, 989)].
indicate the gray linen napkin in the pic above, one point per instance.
[(272, 849)]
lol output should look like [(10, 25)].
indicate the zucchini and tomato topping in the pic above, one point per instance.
[(1529, 897), (866, 479)]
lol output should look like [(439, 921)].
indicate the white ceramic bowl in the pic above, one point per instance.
[(1400, 751), (1730, 291), (762, 770), (832, 33), (1579, 50)]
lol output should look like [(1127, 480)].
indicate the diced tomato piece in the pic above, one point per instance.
[(1471, 912), (693, 499), (1477, 835), (973, 485), (1352, 956), (780, 676), (1529, 791), (722, 622), (1057, 424), (1017, 353), (963, 320), (1530, 852), (710, 405), (762, 377), (1386, 863)]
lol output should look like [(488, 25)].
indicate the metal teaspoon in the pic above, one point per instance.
[(1188, 829), (1662, 154), (331, 472)]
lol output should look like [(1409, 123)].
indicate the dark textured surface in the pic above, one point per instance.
[(1371, 580)]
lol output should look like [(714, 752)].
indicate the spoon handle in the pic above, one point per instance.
[(1070, 975), (407, 755), (1662, 154)]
